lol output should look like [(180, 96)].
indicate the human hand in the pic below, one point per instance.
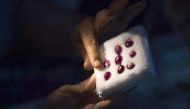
[(107, 22), (80, 96)]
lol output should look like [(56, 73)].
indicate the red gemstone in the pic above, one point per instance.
[(118, 59), (129, 43), (120, 69), (130, 65), (133, 54), (107, 75), (118, 49), (107, 64)]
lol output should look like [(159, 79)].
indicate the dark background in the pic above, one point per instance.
[(37, 55)]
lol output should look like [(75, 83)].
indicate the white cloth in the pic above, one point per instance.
[(130, 77)]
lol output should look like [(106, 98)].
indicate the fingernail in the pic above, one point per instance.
[(97, 64)]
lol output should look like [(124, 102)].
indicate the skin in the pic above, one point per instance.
[(80, 96), (108, 21)]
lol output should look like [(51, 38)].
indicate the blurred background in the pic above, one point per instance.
[(37, 55)]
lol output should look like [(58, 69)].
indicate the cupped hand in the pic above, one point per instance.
[(80, 96), (107, 22)]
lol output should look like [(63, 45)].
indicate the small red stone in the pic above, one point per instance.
[(132, 54), (118, 59), (120, 69), (129, 43), (107, 75), (118, 49), (130, 65), (107, 64)]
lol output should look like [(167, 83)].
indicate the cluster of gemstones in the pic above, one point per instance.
[(118, 59)]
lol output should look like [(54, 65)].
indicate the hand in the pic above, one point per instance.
[(107, 22), (80, 96)]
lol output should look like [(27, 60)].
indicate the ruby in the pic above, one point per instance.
[(107, 75), (129, 43), (118, 59), (132, 54), (130, 65), (118, 49), (107, 64), (120, 69)]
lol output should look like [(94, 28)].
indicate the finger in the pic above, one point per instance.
[(103, 17), (103, 104), (91, 84), (66, 89), (90, 106), (92, 51), (131, 12), (117, 5), (88, 85), (87, 64), (77, 42), (87, 34)]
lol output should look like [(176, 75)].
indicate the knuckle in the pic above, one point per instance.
[(91, 42)]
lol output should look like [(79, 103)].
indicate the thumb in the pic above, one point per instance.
[(87, 34), (88, 85), (91, 84)]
